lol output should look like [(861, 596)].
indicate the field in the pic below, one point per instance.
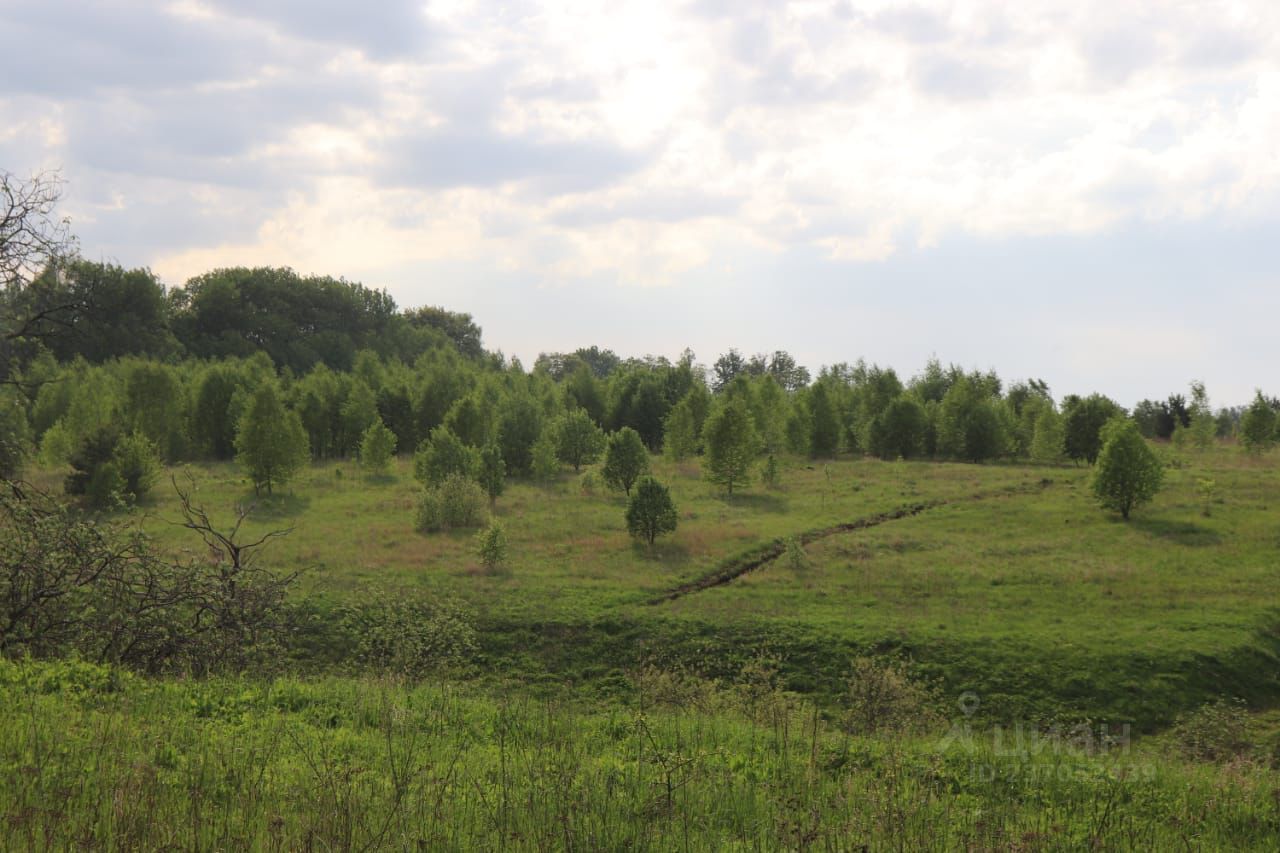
[(698, 694)]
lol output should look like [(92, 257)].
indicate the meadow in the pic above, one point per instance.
[(1035, 654)]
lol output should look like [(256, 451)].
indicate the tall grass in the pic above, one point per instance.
[(95, 759)]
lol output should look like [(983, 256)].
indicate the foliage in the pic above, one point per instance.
[(824, 425), (732, 444), (410, 637), (680, 433), (271, 444), (457, 502), (15, 433), (491, 547), (1258, 426), (899, 430), (1083, 420), (109, 469), (769, 472), (1217, 731), (1047, 439), (444, 455), (578, 441), (882, 697), (69, 585), (1128, 472), (492, 474), (625, 459), (377, 447), (544, 461), (650, 511)]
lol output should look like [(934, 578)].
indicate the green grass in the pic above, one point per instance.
[(1013, 584), (96, 759)]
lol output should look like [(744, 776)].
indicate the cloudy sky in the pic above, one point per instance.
[(1078, 190)]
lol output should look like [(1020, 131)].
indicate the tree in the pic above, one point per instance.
[(15, 433), (359, 412), (491, 546), (1046, 440), (578, 440), (1083, 419), (519, 425), (650, 511), (493, 472), (899, 430), (1128, 472), (968, 426), (443, 454), (824, 423), (32, 237), (271, 444), (680, 434), (726, 369), (625, 459), (1203, 427), (1258, 425), (109, 468), (544, 464), (377, 446), (732, 444)]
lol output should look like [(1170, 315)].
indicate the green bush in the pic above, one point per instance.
[(1216, 731), (456, 503), (411, 638), (491, 547)]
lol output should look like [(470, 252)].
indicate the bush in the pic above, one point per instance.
[(491, 547), (882, 697), (1128, 473), (456, 503), (1216, 732), (411, 638), (109, 469), (376, 448), (650, 511), (444, 455)]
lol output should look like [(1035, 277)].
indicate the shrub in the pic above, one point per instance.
[(491, 547), (769, 472), (882, 697), (411, 638), (1217, 731), (650, 511), (377, 446), (109, 469), (455, 503), (589, 483), (443, 455)]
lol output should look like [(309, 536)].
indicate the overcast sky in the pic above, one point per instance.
[(1087, 192)]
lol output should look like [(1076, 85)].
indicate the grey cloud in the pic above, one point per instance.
[(659, 206), (1220, 48), (486, 158), (388, 29), (70, 49), (911, 23), (1116, 54), (955, 78)]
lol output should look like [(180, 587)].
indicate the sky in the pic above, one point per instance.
[(1085, 192)]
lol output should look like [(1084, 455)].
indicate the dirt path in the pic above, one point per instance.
[(758, 557)]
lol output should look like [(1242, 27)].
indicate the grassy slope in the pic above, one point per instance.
[(1037, 600), (95, 759)]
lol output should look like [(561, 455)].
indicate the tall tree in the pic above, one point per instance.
[(824, 423), (731, 444), (1083, 419), (270, 443)]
